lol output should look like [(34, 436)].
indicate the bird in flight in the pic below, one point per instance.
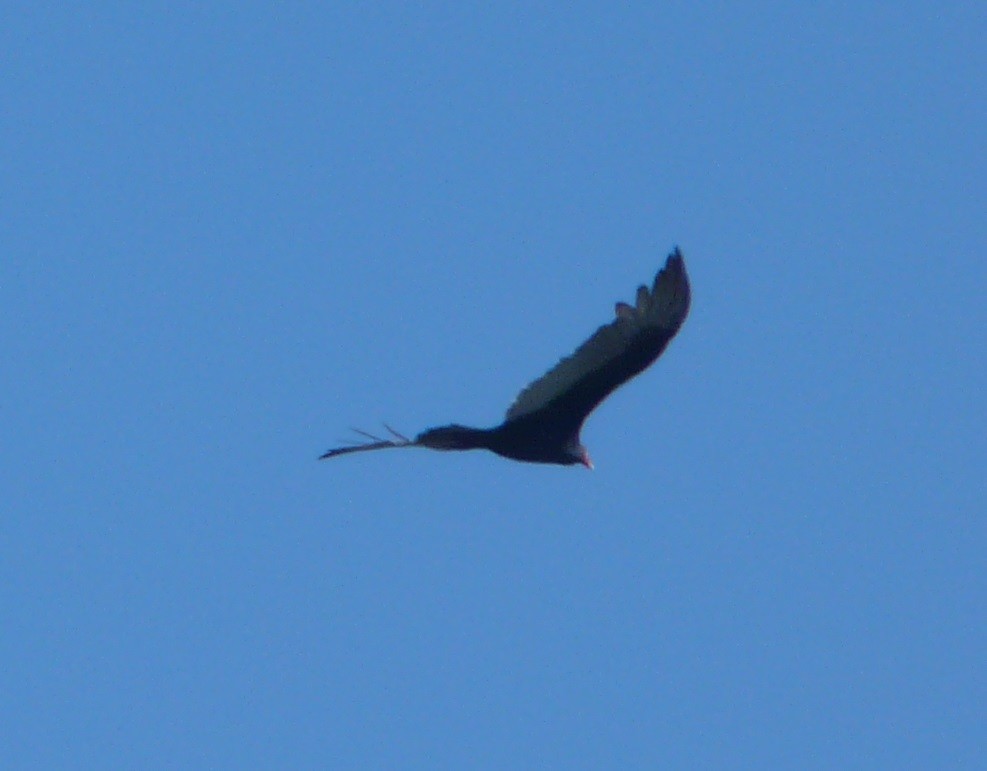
[(543, 423)]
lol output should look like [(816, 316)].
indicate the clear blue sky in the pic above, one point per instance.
[(229, 233)]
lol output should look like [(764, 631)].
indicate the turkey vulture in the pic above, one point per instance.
[(543, 423)]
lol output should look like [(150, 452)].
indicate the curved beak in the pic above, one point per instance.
[(586, 461)]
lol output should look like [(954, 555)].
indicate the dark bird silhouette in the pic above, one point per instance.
[(543, 423)]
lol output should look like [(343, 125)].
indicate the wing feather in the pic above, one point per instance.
[(614, 353)]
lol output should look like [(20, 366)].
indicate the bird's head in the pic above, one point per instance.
[(579, 454)]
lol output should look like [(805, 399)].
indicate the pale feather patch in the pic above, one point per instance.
[(664, 307)]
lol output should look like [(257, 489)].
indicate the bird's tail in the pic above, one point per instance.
[(454, 437)]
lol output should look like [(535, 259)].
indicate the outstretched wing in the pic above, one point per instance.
[(614, 354)]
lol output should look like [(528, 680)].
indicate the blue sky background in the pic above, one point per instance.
[(230, 232)]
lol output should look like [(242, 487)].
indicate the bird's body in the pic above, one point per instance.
[(543, 423), (529, 439)]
